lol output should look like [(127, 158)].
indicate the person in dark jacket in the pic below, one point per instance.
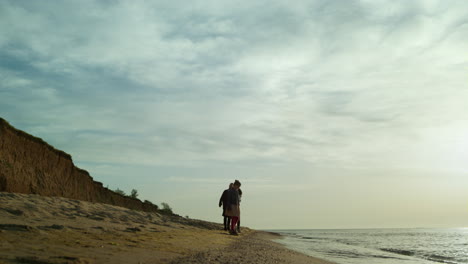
[(233, 209), (223, 201), (238, 221)]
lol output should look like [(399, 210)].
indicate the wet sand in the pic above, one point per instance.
[(54, 230)]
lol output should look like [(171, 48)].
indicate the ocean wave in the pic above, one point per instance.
[(441, 259), (399, 251), (356, 255), (385, 246), (432, 257), (314, 238)]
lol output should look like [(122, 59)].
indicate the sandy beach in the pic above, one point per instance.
[(53, 230)]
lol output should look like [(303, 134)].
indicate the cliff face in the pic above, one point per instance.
[(31, 166)]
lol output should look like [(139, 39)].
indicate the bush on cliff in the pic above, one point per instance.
[(134, 194), (166, 209)]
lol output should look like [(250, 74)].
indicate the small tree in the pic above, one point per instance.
[(134, 194), (120, 192), (166, 208)]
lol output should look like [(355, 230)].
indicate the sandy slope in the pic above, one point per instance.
[(52, 230)]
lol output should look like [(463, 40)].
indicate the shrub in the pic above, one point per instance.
[(166, 209), (134, 194)]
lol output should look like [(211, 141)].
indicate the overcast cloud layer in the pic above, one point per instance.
[(292, 98)]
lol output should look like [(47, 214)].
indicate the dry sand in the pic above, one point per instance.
[(52, 230)]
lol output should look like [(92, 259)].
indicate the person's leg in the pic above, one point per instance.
[(238, 225), (234, 220), (229, 223), (226, 223)]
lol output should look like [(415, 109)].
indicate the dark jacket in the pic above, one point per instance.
[(224, 199), (233, 197)]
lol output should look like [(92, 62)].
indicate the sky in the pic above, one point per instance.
[(332, 114)]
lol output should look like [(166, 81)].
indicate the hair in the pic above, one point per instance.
[(237, 183), (240, 192)]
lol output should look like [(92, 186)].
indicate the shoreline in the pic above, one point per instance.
[(56, 230)]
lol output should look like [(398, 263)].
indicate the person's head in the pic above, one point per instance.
[(237, 184), (230, 185), (240, 192)]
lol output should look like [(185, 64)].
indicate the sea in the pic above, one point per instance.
[(381, 246)]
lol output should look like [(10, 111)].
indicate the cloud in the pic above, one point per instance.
[(256, 81), (302, 101)]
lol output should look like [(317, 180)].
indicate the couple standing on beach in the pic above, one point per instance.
[(230, 200)]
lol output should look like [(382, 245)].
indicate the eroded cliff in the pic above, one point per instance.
[(31, 166)]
